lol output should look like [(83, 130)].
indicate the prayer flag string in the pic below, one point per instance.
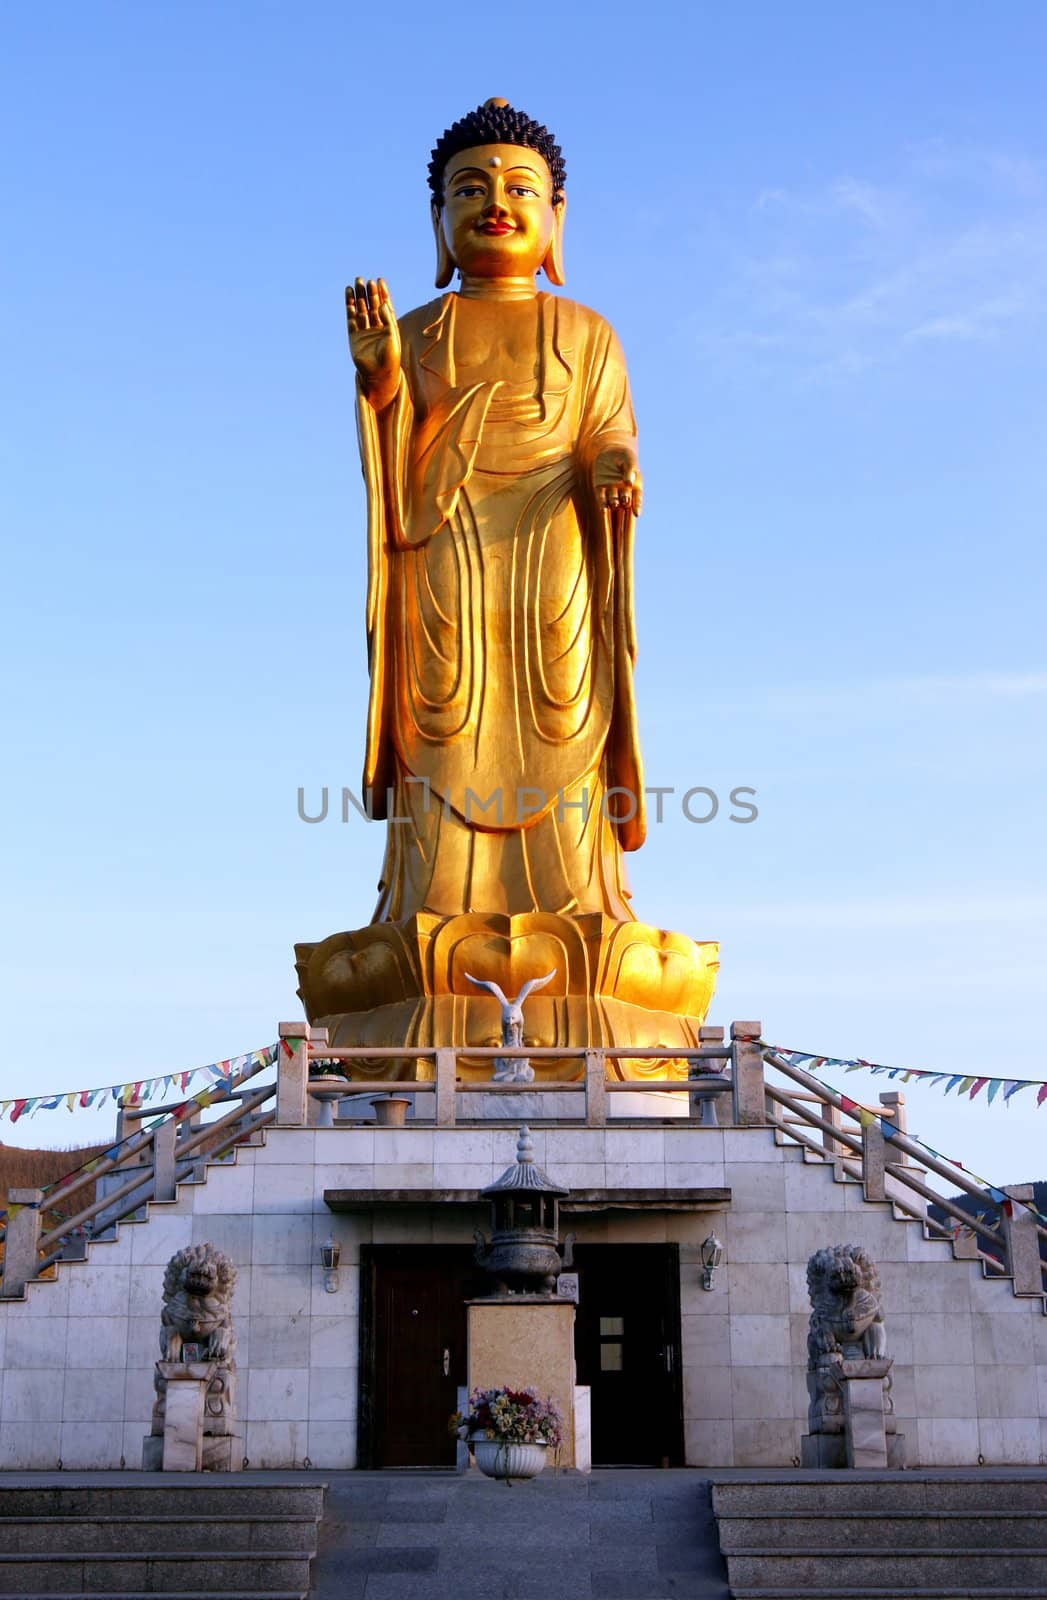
[(219, 1075), (968, 1084)]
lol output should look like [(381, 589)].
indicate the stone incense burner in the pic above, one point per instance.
[(523, 1255)]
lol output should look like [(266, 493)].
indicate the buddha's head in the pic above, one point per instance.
[(498, 200)]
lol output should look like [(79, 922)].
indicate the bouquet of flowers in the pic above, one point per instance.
[(511, 1416)]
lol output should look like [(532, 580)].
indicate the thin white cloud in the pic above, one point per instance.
[(978, 165), (978, 322), (852, 273), (874, 206)]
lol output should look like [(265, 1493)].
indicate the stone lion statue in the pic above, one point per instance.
[(846, 1313), (198, 1300)]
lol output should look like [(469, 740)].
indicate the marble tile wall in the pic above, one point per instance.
[(970, 1378)]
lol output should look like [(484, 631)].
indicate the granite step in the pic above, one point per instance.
[(160, 1495), (155, 1534), (907, 1569), (875, 1530), (138, 1534), (183, 1572), (985, 1491), (919, 1535), (849, 1592)]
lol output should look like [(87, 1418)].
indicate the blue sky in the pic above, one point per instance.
[(821, 233)]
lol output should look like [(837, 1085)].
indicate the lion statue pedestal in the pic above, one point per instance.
[(851, 1413), (193, 1426)]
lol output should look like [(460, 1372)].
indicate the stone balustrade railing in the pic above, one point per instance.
[(146, 1165), (150, 1163), (1005, 1235), (432, 1073)]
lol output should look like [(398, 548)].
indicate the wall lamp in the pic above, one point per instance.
[(330, 1256), (711, 1251)]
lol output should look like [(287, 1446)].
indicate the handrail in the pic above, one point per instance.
[(137, 1182), (106, 1165), (209, 1129), (143, 1141), (487, 1052), (899, 1140), (363, 1086), (947, 1235), (235, 1136), (897, 1170), (1007, 1246), (216, 1098), (838, 1133), (183, 1170)]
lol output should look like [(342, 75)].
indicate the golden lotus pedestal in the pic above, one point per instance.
[(616, 984)]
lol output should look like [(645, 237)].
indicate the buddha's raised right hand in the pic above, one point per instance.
[(374, 339)]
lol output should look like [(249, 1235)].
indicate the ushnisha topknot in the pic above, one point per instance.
[(496, 122)]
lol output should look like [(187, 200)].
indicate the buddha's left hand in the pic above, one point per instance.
[(616, 479)]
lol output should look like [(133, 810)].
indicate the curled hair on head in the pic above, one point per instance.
[(496, 122)]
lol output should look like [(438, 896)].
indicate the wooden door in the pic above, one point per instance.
[(413, 1351), (413, 1355), (627, 1349)]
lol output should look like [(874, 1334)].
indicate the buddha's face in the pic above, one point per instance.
[(498, 214)]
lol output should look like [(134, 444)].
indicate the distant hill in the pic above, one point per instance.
[(970, 1204), (36, 1169)]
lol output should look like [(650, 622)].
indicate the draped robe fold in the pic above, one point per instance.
[(499, 624)]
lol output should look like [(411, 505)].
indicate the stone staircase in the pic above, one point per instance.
[(893, 1177), (155, 1534), (948, 1535), (902, 1209)]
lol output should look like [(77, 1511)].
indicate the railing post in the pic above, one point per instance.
[(446, 1087), (190, 1123), (292, 1076), (103, 1226), (165, 1138), (965, 1244), (697, 1103), (595, 1089), (1023, 1241), (830, 1143), (750, 1109), (874, 1161), (21, 1246), (314, 1111), (124, 1126), (894, 1101)]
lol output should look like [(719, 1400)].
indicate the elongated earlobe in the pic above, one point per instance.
[(444, 263), (552, 266)]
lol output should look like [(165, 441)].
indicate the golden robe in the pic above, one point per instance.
[(499, 622)]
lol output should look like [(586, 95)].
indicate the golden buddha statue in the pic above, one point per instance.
[(499, 452)]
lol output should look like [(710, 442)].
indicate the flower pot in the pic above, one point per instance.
[(705, 1089), (499, 1460), (327, 1088), (391, 1112)]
